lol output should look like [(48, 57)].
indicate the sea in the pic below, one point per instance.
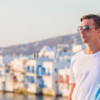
[(12, 96)]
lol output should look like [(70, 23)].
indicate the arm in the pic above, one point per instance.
[(71, 91)]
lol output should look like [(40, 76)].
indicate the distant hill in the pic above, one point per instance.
[(34, 47)]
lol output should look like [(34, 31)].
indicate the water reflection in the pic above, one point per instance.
[(11, 96)]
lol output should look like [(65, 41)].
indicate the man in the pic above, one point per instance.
[(85, 65)]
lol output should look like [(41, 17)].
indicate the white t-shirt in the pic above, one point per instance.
[(85, 72)]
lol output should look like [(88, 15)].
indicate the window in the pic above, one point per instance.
[(32, 79), (48, 72), (38, 69), (26, 85), (0, 73), (28, 79), (43, 70), (55, 69), (39, 77), (32, 69), (28, 69), (68, 60), (6, 71)]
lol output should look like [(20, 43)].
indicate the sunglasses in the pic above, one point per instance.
[(85, 28)]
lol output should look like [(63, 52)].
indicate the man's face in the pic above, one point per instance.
[(90, 35)]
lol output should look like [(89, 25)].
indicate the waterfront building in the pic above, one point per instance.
[(63, 82), (5, 76), (2, 74), (78, 48), (50, 76), (18, 70), (31, 79), (48, 52)]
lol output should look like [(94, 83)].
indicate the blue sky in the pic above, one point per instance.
[(25, 21)]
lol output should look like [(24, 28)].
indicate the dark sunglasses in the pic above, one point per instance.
[(86, 27)]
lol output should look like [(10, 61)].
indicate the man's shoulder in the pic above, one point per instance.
[(77, 55)]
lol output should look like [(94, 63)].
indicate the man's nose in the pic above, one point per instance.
[(82, 31)]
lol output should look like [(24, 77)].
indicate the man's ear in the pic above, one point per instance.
[(99, 31)]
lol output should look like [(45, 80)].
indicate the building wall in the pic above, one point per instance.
[(78, 48)]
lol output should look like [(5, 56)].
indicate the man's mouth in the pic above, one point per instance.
[(83, 37)]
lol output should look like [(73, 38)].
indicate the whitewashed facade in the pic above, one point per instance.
[(78, 48), (63, 82)]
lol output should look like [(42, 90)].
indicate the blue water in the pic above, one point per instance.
[(11, 96)]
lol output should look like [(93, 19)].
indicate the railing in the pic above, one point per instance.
[(41, 85)]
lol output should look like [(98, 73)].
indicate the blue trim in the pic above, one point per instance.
[(32, 69), (32, 79), (29, 79), (42, 85), (41, 71), (28, 69), (6, 71)]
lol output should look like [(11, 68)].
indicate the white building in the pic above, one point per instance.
[(49, 74), (14, 74), (32, 79), (7, 59), (78, 48), (63, 82), (63, 47), (48, 52), (2, 75), (18, 64), (5, 77)]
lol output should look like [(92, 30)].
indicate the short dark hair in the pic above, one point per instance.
[(96, 19)]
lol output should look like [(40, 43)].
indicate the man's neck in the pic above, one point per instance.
[(91, 49)]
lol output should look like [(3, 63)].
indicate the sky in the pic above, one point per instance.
[(26, 21)]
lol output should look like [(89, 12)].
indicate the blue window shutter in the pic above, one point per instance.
[(55, 69), (28, 69), (32, 79), (28, 79), (32, 69), (43, 70)]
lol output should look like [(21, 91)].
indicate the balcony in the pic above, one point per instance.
[(29, 79), (42, 84), (41, 72)]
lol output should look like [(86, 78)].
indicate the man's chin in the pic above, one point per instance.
[(84, 41)]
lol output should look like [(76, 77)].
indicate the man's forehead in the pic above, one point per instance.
[(89, 22)]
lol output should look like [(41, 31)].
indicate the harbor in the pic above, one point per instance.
[(11, 96)]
